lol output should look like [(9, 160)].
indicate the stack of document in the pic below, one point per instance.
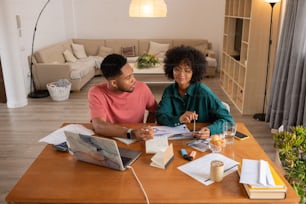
[(261, 181), (173, 133)]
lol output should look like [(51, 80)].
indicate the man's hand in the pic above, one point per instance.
[(143, 133), (106, 129)]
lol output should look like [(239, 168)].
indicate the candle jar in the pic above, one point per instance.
[(216, 170)]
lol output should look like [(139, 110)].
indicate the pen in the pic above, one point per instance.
[(194, 123), (226, 170)]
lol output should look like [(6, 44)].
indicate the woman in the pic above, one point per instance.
[(188, 99)]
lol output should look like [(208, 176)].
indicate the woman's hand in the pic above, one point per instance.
[(204, 133), (188, 116)]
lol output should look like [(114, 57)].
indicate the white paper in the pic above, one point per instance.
[(125, 140), (199, 169), (262, 173), (58, 136), (169, 131), (270, 180), (249, 171), (256, 172)]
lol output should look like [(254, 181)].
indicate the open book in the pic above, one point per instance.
[(163, 158)]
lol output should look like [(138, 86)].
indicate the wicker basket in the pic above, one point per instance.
[(59, 90)]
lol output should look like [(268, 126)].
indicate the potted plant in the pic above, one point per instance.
[(291, 152), (146, 61)]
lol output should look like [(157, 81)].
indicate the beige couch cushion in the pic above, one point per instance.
[(158, 49), (104, 51), (144, 44), (53, 53), (78, 51), (91, 45), (69, 57)]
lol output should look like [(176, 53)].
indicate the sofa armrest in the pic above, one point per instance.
[(211, 53), (44, 73)]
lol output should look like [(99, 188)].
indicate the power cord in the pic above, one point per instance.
[(140, 184)]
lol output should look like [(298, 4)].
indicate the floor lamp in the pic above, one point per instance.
[(262, 116), (34, 93)]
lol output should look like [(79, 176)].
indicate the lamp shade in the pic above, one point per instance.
[(148, 8), (272, 1)]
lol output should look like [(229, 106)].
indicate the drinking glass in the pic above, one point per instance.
[(229, 131)]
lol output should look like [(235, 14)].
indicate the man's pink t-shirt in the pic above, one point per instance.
[(120, 107)]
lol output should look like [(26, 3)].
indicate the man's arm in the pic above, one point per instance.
[(106, 129)]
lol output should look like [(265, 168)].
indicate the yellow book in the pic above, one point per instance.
[(265, 194)]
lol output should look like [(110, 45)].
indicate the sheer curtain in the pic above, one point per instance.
[(287, 104)]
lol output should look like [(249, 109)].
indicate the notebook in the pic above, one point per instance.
[(100, 151)]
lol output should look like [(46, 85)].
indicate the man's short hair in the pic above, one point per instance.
[(112, 64)]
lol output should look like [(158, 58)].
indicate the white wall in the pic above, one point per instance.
[(186, 19), (16, 42), (63, 19)]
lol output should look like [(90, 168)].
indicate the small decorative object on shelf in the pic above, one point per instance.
[(147, 60)]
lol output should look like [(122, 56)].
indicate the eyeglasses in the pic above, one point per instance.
[(178, 70)]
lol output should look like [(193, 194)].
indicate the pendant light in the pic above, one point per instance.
[(148, 8)]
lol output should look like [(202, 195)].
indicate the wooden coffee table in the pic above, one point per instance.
[(56, 177)]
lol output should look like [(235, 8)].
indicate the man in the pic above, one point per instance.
[(121, 99)]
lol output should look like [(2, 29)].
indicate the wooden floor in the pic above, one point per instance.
[(21, 128)]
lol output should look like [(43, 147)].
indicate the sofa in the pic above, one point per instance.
[(78, 60)]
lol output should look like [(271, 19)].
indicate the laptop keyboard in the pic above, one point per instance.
[(125, 160)]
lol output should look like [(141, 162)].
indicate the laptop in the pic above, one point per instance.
[(100, 151)]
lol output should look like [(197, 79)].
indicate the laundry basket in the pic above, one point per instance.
[(59, 90)]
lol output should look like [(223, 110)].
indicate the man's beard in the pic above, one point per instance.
[(122, 89)]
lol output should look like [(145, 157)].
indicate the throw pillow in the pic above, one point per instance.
[(128, 51), (69, 57), (202, 48), (104, 51), (158, 49), (78, 51)]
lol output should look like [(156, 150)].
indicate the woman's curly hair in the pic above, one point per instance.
[(189, 55)]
